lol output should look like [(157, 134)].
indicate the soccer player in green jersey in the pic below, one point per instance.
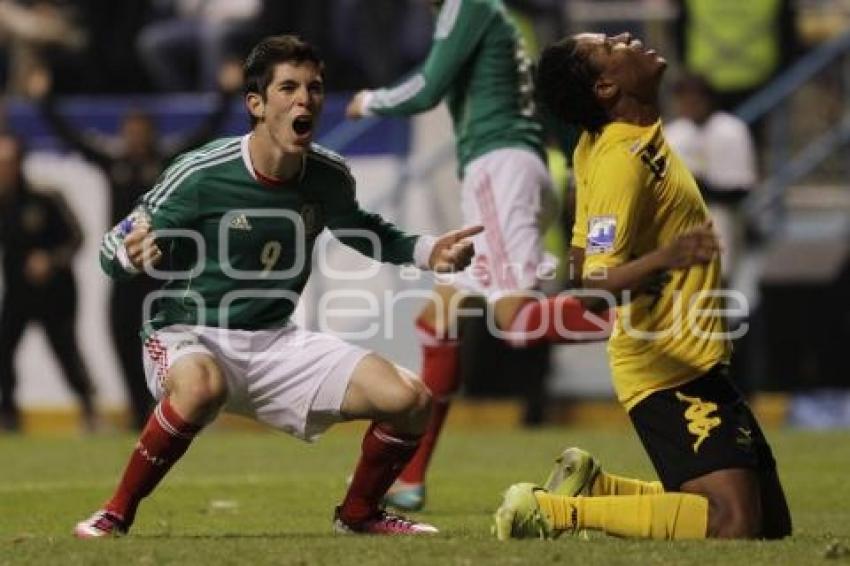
[(231, 228), (639, 213), (478, 65)]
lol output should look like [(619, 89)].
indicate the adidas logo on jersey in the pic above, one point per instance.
[(240, 222)]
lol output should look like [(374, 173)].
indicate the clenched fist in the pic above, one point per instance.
[(142, 250)]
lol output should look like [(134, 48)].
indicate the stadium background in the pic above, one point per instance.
[(243, 497), (405, 170)]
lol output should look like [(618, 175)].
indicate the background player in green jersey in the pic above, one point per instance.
[(230, 228), (479, 66)]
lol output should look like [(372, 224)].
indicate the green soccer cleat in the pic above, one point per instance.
[(519, 515), (573, 473), (406, 497)]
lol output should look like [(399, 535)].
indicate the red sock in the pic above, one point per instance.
[(415, 470), (163, 441), (441, 374), (384, 455), (561, 318)]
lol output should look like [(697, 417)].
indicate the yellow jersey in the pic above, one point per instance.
[(635, 195)]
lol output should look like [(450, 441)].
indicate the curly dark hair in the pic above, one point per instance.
[(258, 69), (565, 80)]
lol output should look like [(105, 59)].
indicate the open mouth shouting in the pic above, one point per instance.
[(303, 128)]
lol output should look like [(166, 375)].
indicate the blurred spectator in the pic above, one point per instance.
[(388, 36), (200, 35), (543, 20), (110, 61), (718, 149), (28, 31), (736, 45), (312, 20), (40, 237), (132, 164), (363, 42)]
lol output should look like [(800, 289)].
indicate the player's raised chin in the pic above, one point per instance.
[(290, 107)]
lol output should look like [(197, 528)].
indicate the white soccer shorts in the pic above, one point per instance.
[(289, 378), (509, 192)]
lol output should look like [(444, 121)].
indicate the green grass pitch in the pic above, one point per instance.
[(262, 498)]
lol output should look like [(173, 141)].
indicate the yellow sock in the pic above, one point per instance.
[(663, 516), (609, 484)]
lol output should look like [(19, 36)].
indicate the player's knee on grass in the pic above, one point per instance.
[(196, 388), (734, 505), (733, 519)]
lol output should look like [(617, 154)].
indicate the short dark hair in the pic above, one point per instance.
[(565, 79), (258, 69)]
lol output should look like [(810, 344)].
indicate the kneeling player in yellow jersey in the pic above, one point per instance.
[(639, 214)]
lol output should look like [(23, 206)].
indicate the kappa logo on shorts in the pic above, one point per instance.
[(601, 232), (699, 417)]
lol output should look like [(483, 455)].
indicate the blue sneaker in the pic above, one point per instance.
[(406, 496)]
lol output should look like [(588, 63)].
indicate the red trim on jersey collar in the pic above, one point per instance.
[(266, 181)]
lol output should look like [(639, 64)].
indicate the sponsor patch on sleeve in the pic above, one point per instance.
[(601, 233)]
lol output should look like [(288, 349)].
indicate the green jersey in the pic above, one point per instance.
[(237, 250), (478, 64)]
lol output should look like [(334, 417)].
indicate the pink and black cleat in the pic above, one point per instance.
[(383, 524), (101, 524)]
